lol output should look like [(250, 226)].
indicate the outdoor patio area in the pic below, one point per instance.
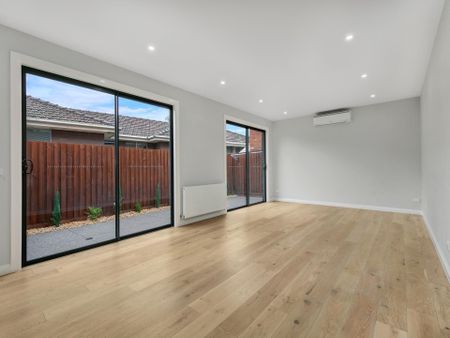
[(54, 242)]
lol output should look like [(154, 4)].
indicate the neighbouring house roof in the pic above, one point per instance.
[(235, 139), (44, 113)]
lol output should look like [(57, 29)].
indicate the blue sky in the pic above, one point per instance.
[(236, 129), (76, 97)]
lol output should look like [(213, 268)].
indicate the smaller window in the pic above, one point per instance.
[(41, 135)]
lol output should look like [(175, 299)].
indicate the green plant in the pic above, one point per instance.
[(138, 207), (158, 195), (94, 213), (56, 211)]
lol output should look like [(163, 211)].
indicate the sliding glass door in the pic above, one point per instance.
[(256, 166), (236, 137), (246, 165), (145, 175), (97, 165)]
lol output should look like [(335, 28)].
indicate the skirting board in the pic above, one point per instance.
[(352, 206), (444, 263)]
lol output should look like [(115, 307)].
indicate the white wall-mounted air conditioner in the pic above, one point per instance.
[(332, 117)]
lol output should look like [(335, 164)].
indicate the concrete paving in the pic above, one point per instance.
[(240, 201), (50, 243)]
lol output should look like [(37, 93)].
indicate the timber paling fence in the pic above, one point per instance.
[(83, 174), (236, 173)]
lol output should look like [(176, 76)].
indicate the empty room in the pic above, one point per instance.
[(193, 168)]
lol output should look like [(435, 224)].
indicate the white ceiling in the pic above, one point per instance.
[(290, 53)]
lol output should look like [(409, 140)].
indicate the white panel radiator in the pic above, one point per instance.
[(203, 199)]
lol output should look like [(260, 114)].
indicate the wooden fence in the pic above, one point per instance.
[(236, 173), (84, 176)]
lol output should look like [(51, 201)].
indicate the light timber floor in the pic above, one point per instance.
[(275, 269)]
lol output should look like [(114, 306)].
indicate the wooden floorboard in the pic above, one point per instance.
[(275, 269)]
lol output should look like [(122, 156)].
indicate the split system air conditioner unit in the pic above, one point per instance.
[(332, 117)]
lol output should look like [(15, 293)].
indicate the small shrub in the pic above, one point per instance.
[(56, 211), (158, 195), (94, 213), (138, 207)]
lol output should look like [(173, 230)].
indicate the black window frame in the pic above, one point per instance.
[(117, 94), (247, 164)]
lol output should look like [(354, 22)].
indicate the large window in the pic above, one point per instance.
[(145, 177), (246, 165), (97, 165)]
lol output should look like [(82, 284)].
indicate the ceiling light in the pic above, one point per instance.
[(285, 113), (261, 101), (364, 76), (349, 37), (223, 83), (151, 48), (373, 96)]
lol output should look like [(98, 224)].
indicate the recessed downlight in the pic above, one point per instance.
[(261, 101), (372, 96), (223, 82), (285, 112), (364, 76), (151, 48), (349, 37)]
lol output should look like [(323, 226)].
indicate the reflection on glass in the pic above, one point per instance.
[(236, 166), (144, 164), (256, 166), (68, 167)]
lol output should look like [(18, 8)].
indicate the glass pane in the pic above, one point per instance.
[(69, 167), (256, 166), (236, 166), (145, 168)]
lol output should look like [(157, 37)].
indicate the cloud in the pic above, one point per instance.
[(142, 110), (68, 95), (153, 112), (76, 97), (236, 129)]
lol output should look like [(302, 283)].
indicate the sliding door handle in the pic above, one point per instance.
[(27, 167)]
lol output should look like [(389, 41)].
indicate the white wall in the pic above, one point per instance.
[(435, 110), (201, 120), (373, 161)]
